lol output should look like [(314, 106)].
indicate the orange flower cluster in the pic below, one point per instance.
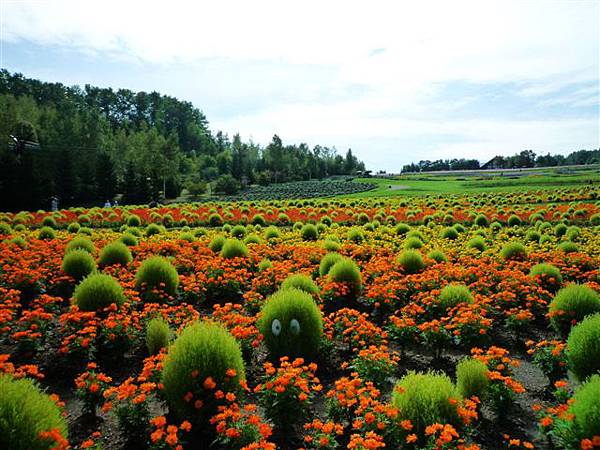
[(165, 436), (26, 370), (239, 426), (322, 435)]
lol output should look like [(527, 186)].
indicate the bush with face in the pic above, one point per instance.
[(291, 324)]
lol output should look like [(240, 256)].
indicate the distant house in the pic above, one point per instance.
[(497, 162)]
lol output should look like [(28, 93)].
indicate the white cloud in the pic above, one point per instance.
[(398, 52)]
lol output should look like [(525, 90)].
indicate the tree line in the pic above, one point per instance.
[(86, 145), (521, 160)]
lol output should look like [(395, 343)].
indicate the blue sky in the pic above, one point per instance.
[(395, 81)]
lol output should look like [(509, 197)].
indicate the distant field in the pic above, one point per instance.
[(422, 184)]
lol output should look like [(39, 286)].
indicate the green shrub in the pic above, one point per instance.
[(216, 244), (583, 347), (134, 221), (46, 233), (115, 253), (25, 412), (411, 261), (264, 264), (413, 243), (309, 232), (19, 241), (158, 334), (471, 378), (533, 236), (573, 303), (454, 294), (81, 243), (415, 234), (401, 229), (78, 264), (331, 246), (302, 282), (327, 262), (49, 221), (128, 239), (481, 221), (514, 221), (568, 247), (450, 233), (232, 248), (355, 235), (187, 236), (513, 251), (291, 324), (153, 229), (73, 227), (238, 231), (252, 239), (202, 350), (477, 243), (98, 291), (425, 399), (198, 232), (258, 219), (215, 220), (272, 233), (155, 271), (586, 410), (438, 256), (560, 229), (346, 271), (549, 275)]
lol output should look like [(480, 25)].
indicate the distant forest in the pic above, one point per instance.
[(86, 145), (524, 159)]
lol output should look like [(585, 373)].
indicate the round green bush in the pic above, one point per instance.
[(452, 295), (215, 220), (472, 378), (98, 291), (411, 261), (401, 229), (331, 246), (514, 221), (252, 239), (115, 253), (560, 229), (49, 221), (128, 239), (238, 231), (259, 219), (586, 410), (264, 264), (568, 247), (413, 243), (19, 241), (78, 264), (533, 236), (216, 244), (355, 235), (415, 234), (572, 304), (302, 282), (309, 232), (481, 221), (327, 262), (187, 236), (81, 243), (272, 233), (425, 399), (438, 256), (346, 271), (158, 334), (73, 227), (25, 412), (155, 271), (583, 347), (513, 251), (549, 275), (202, 350), (46, 233), (450, 233), (291, 324), (152, 229), (232, 248), (134, 221), (477, 243)]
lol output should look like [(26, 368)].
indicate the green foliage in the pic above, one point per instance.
[(134, 221), (259, 219), (346, 271), (216, 244), (128, 239), (327, 262), (568, 247), (450, 233), (202, 350), (272, 233), (153, 229), (232, 248), (560, 229), (73, 227), (481, 221), (573, 303), (98, 291), (454, 294), (586, 409), (438, 256), (25, 412), (156, 271), (49, 221), (514, 221), (477, 243), (355, 235), (513, 251), (78, 264), (302, 282), (46, 233), (471, 378), (331, 246), (252, 239), (309, 232), (411, 261), (115, 253), (402, 229), (291, 324), (81, 243), (215, 220), (158, 334), (549, 275), (264, 264), (425, 399), (238, 231), (583, 347)]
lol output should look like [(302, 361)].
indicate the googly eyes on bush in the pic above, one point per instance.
[(276, 327), (294, 327)]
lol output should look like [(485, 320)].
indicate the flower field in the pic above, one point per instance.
[(455, 322)]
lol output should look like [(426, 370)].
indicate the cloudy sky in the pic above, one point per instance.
[(395, 81)]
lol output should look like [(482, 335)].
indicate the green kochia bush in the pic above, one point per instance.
[(327, 262), (302, 282), (412, 243), (46, 233), (115, 253), (477, 243), (514, 251), (425, 399), (355, 235), (157, 335), (438, 256), (472, 378), (232, 248), (549, 276), (450, 233), (98, 291), (81, 243), (154, 271), (216, 244), (346, 271), (573, 303), (454, 294), (202, 350), (25, 411), (309, 232), (128, 239), (411, 261), (291, 324), (568, 247), (586, 410), (583, 347), (78, 264)]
